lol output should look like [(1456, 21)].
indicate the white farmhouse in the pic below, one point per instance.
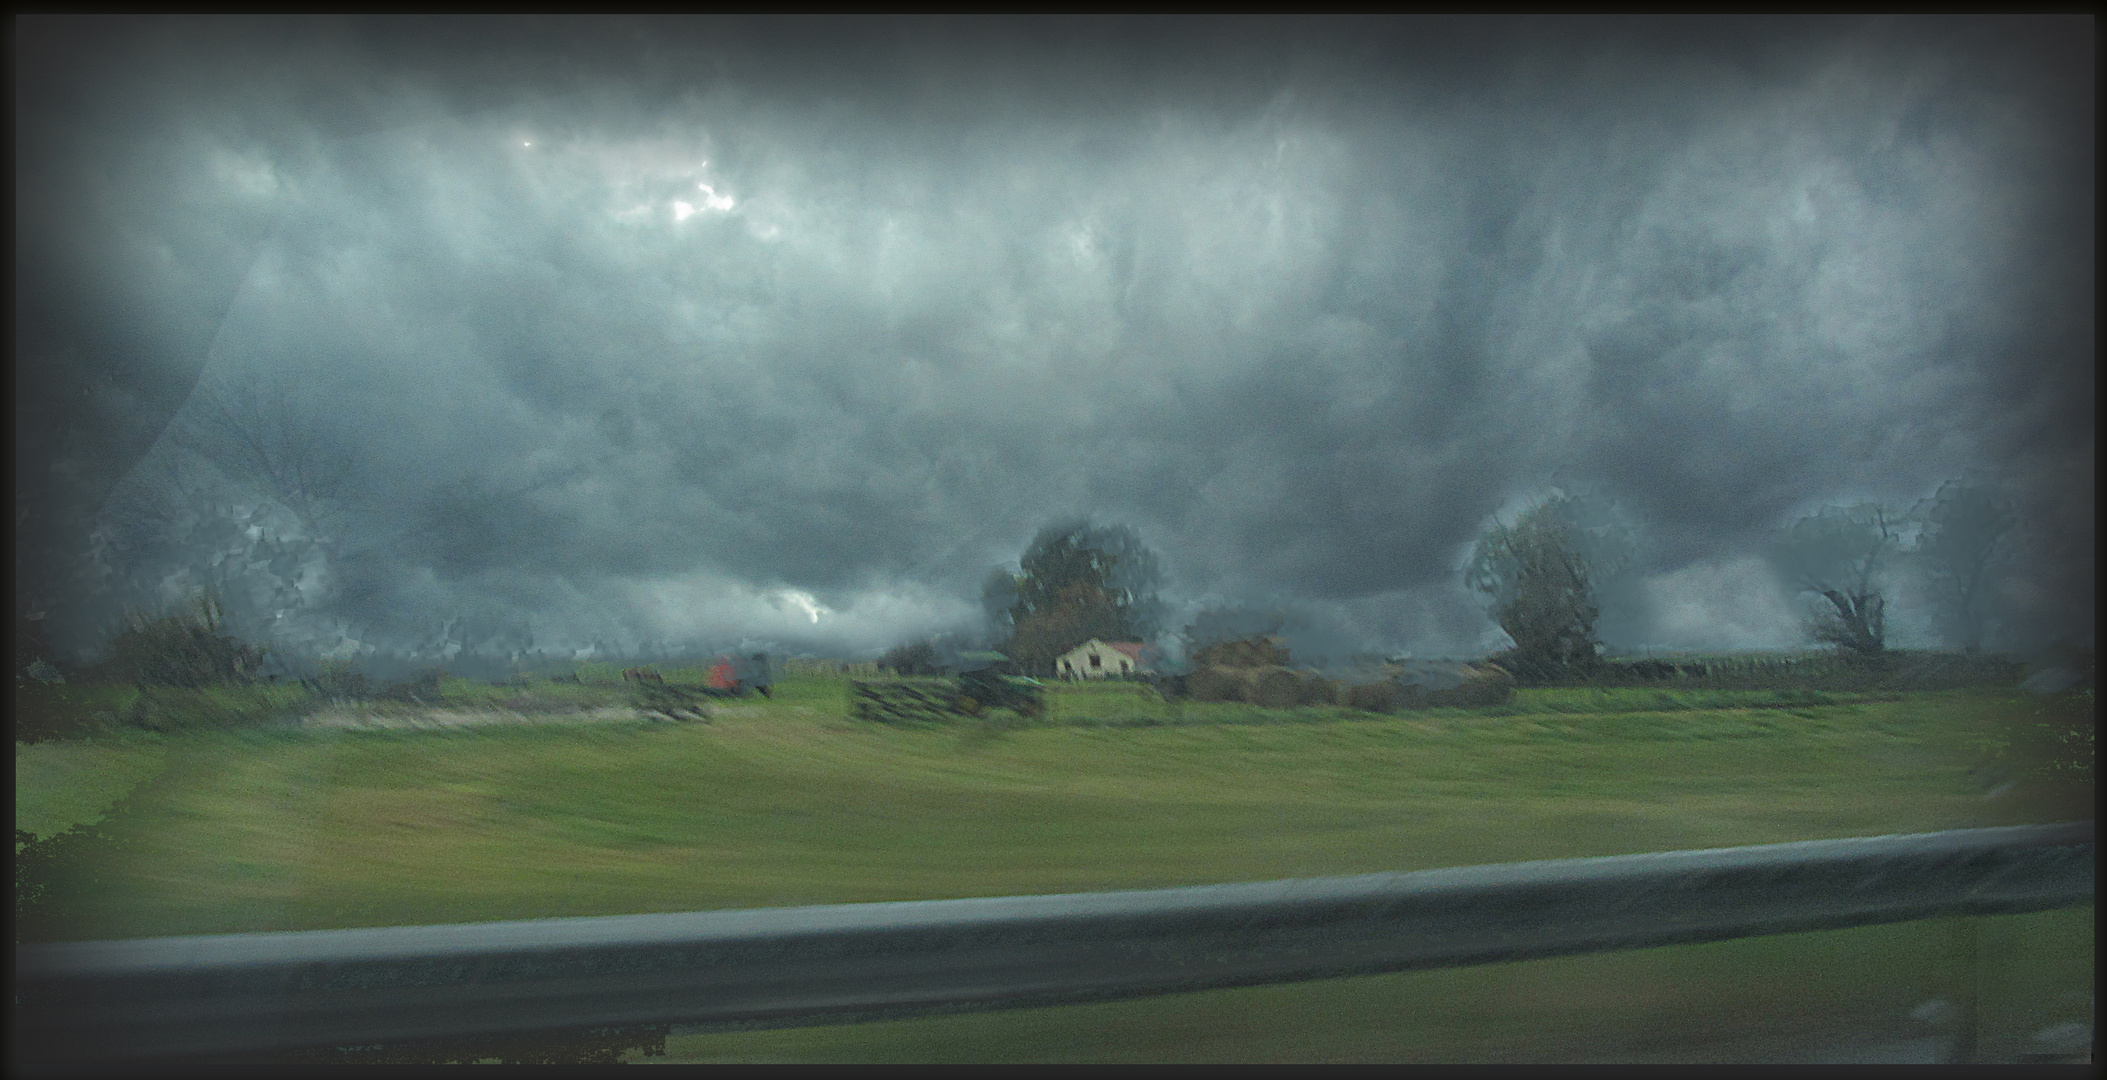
[(1096, 659)]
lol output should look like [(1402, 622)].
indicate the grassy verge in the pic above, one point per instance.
[(1719, 1002), (66, 711), (784, 801), (60, 784)]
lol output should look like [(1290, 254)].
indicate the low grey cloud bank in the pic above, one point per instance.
[(788, 331)]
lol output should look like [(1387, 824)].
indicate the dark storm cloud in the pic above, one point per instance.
[(764, 328)]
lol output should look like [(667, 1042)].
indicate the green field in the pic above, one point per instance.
[(788, 802)]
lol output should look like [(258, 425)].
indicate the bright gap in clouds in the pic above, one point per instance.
[(805, 602), (682, 211)]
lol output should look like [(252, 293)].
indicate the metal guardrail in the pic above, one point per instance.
[(246, 993)]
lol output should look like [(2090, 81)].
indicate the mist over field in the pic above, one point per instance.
[(450, 338)]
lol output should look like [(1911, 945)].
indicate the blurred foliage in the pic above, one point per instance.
[(32, 879), (340, 680), (171, 709), (1959, 547), (2049, 748), (61, 784), (1833, 670), (912, 658), (70, 710), (1539, 577), (79, 861), (184, 649), (421, 688), (35, 662)]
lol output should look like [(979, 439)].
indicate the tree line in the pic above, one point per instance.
[(255, 479), (1541, 577), (1540, 573)]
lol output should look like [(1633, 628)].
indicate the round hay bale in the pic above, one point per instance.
[(1275, 688), (1216, 684), (1388, 696), (1483, 685), (1376, 697), (1317, 690), (1251, 652)]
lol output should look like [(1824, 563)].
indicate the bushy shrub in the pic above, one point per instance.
[(54, 873), (45, 711), (169, 709), (912, 659), (2051, 740), (185, 649), (34, 657), (419, 689)]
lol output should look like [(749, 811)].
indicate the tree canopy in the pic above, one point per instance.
[(1539, 578), (1544, 580), (912, 658), (1076, 581)]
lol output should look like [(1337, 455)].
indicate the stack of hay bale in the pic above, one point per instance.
[(904, 701), (1432, 685), (1384, 696), (1256, 671)]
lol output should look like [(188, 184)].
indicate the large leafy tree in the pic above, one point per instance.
[(1843, 555), (1964, 529), (1539, 576), (1075, 582), (912, 658)]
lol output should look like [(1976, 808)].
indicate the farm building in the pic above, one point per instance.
[(1096, 659)]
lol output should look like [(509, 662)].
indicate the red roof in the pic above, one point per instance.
[(1131, 649)]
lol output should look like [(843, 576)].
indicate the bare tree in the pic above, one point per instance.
[(1842, 554), (1963, 526), (243, 495), (157, 501), (257, 431)]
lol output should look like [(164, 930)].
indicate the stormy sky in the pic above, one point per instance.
[(716, 331)]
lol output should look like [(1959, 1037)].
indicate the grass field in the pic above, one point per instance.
[(787, 802)]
